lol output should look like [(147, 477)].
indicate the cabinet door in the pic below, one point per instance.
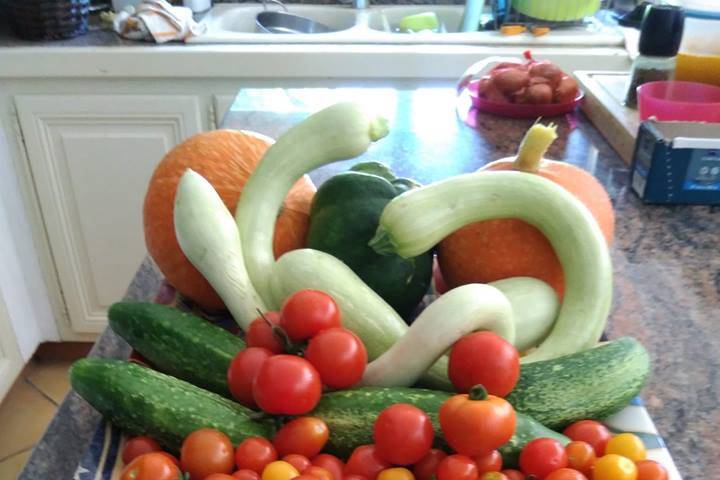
[(91, 158), (11, 361)]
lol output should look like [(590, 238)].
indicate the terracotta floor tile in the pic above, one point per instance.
[(24, 415), (50, 376), (10, 467)]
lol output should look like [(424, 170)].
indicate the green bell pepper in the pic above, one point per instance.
[(344, 217)]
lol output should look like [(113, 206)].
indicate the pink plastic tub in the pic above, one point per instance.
[(679, 101)]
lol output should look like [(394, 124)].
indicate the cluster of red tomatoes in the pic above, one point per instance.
[(267, 374)]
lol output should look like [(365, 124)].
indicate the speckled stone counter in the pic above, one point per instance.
[(666, 259)]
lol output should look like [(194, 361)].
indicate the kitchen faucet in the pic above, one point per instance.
[(360, 4)]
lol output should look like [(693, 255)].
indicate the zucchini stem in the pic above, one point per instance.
[(533, 147), (382, 243)]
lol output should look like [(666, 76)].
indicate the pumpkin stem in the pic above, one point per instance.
[(533, 147), (478, 392)]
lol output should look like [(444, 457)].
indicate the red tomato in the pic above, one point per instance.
[(566, 474), (246, 474), (137, 446), (318, 472), (365, 461), (489, 462), (339, 356), (354, 477), (300, 462), (476, 423), (403, 434), (287, 385), (581, 456), (305, 313), (513, 474), (305, 436), (150, 466), (219, 476), (542, 456), (592, 432), (484, 358), (254, 454), (457, 467), (305, 477), (650, 470), (426, 468), (260, 333), (242, 372), (172, 458), (331, 463), (206, 451), (493, 476)]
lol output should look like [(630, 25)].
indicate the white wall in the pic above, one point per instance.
[(21, 281)]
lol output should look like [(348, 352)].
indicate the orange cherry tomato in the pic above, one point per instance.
[(581, 456), (650, 470), (137, 446), (590, 431), (246, 474), (489, 462), (628, 445), (206, 451), (614, 467), (493, 476), (512, 474), (255, 453), (477, 423), (365, 461), (330, 463), (300, 462), (304, 436), (319, 473), (396, 474), (566, 474), (219, 476), (426, 468), (151, 466)]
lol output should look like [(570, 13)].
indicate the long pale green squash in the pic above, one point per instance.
[(417, 220), (209, 238)]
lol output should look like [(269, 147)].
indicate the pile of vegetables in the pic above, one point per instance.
[(325, 381)]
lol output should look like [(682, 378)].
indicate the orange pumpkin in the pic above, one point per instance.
[(491, 250), (226, 158)]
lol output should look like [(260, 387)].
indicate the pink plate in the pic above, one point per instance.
[(520, 110)]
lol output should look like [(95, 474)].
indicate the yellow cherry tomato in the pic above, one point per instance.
[(614, 467), (628, 445), (396, 474), (279, 470)]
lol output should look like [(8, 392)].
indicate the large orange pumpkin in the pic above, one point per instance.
[(491, 250), (226, 158)]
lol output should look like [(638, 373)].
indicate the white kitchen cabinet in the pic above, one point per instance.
[(11, 362), (91, 157)]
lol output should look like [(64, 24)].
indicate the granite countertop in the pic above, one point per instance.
[(667, 267)]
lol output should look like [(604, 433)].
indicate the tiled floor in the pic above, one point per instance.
[(28, 408)]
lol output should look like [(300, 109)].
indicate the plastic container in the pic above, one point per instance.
[(699, 56), (679, 101)]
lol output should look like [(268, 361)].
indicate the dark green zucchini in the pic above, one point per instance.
[(351, 414), (142, 401), (591, 384), (178, 343)]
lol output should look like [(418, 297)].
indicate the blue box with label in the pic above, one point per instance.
[(677, 162)]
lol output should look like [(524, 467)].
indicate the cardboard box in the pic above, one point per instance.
[(677, 162)]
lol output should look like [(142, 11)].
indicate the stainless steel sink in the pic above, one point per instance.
[(235, 23)]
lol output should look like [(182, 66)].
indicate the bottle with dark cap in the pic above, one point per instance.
[(660, 36)]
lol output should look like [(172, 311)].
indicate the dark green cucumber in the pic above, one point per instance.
[(350, 415), (142, 401), (591, 384), (180, 344)]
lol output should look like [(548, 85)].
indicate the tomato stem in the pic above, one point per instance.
[(478, 392)]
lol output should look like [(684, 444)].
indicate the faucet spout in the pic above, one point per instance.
[(360, 4)]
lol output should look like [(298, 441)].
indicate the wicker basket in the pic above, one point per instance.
[(48, 19)]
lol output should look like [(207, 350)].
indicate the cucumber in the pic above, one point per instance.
[(177, 343), (142, 401), (590, 384), (350, 416)]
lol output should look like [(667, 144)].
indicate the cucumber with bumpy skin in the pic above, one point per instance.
[(142, 401), (178, 343), (351, 414), (594, 383)]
